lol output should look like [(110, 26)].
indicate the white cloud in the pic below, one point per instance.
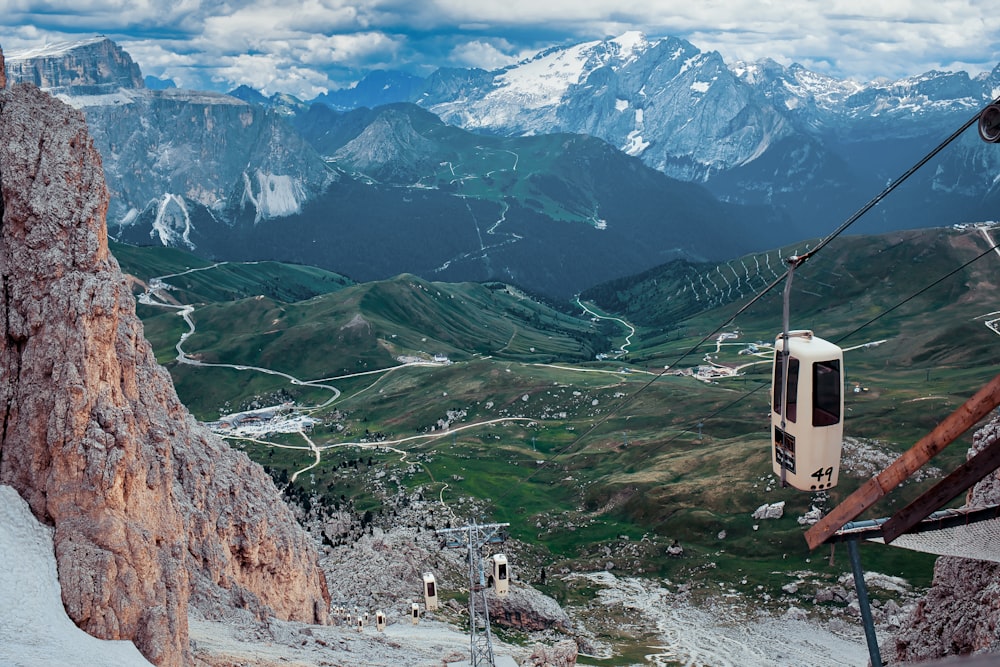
[(353, 49), (486, 55), (303, 44), (856, 38), (269, 75)]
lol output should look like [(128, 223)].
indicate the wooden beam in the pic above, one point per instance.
[(953, 426), (963, 477)]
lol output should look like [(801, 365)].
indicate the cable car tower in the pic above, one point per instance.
[(473, 538)]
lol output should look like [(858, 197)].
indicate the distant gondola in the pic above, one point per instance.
[(430, 591), (500, 575)]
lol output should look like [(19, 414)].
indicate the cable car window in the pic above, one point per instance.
[(430, 589), (502, 571), (793, 385), (827, 386)]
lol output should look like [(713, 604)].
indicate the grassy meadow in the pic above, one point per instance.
[(592, 461)]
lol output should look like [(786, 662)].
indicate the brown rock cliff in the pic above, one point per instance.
[(150, 510), (961, 612)]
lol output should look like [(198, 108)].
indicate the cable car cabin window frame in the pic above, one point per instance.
[(793, 384), (826, 398)]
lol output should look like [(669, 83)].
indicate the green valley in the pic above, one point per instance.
[(498, 406)]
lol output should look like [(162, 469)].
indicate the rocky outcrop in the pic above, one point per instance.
[(93, 67), (150, 511), (527, 609), (961, 612), (773, 511), (561, 654)]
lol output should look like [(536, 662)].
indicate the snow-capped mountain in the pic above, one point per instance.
[(787, 153), (167, 152), (757, 133), (682, 111)]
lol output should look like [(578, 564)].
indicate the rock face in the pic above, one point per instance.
[(562, 654), (528, 610), (198, 151), (92, 67), (149, 509), (961, 612)]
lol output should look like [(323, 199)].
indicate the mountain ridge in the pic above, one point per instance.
[(783, 150)]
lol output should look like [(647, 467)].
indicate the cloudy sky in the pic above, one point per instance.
[(311, 46)]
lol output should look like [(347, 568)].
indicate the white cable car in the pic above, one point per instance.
[(380, 620), (501, 575), (806, 451), (430, 591), (415, 613), (361, 624)]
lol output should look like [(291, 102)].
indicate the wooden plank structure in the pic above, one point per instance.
[(950, 429), (957, 482)]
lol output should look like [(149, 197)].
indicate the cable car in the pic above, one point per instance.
[(501, 575), (361, 624), (380, 620), (806, 451), (415, 613), (430, 591)]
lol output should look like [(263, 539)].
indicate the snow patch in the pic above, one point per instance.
[(34, 627), (51, 49), (544, 80), (129, 218), (689, 63), (630, 41), (634, 144), (700, 86), (630, 45), (119, 97), (621, 105), (172, 225), (275, 195)]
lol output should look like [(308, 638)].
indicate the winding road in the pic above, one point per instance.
[(156, 293), (631, 329)]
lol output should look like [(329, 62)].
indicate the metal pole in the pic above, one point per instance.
[(785, 353), (866, 610), (474, 537)]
